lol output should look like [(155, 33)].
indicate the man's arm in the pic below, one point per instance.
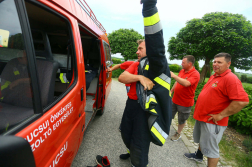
[(127, 78), (181, 81), (172, 89), (233, 108), (114, 68)]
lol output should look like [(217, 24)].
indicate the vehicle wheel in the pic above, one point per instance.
[(100, 111)]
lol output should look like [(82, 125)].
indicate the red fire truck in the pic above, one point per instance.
[(54, 57)]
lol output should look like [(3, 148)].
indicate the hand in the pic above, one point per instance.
[(172, 90), (109, 70), (147, 83), (172, 74), (215, 118)]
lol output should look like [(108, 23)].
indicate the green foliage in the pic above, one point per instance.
[(175, 67), (116, 73), (124, 41), (249, 79), (198, 90), (242, 121), (116, 61), (248, 143), (232, 69), (196, 65), (16, 41), (243, 78), (214, 33), (211, 70), (249, 158)]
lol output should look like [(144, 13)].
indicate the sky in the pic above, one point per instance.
[(127, 14)]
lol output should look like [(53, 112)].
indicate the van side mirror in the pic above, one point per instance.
[(15, 151)]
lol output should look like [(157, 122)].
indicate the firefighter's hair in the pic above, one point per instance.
[(140, 41), (190, 58), (227, 56)]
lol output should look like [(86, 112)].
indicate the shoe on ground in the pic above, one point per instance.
[(102, 161), (124, 156), (193, 157), (95, 166), (176, 137)]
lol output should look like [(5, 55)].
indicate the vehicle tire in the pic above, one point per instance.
[(100, 111)]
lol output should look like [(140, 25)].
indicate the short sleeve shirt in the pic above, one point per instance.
[(126, 65), (217, 94), (184, 96), (133, 69)]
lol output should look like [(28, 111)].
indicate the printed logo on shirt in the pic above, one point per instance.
[(215, 84)]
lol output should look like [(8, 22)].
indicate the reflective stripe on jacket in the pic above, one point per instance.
[(154, 66)]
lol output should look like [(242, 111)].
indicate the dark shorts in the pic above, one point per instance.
[(183, 113)]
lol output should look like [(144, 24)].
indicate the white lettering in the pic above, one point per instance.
[(29, 139), (34, 133), (37, 143), (59, 155)]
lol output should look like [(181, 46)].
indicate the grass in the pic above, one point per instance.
[(233, 154), (246, 85)]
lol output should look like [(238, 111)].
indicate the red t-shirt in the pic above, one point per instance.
[(133, 69), (126, 65), (184, 96), (217, 94)]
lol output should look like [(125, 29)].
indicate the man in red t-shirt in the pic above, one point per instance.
[(134, 122), (222, 96), (184, 92), (122, 66)]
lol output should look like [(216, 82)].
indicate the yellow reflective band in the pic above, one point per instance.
[(2, 98), (61, 78), (86, 71), (147, 104), (154, 19), (146, 67), (154, 111), (163, 83), (6, 84), (157, 134), (16, 73), (128, 151)]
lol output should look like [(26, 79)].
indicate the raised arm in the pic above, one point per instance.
[(114, 68), (155, 48)]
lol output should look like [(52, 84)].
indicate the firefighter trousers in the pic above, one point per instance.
[(135, 133)]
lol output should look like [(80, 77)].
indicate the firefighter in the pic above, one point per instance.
[(147, 119)]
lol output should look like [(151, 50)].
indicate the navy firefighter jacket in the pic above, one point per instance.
[(157, 102)]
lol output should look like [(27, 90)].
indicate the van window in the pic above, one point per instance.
[(55, 57), (16, 102), (107, 54)]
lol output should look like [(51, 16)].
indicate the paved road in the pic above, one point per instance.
[(103, 138)]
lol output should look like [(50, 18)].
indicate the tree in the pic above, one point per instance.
[(124, 41), (196, 65), (214, 33)]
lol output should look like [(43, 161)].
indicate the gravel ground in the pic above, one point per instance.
[(103, 138)]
